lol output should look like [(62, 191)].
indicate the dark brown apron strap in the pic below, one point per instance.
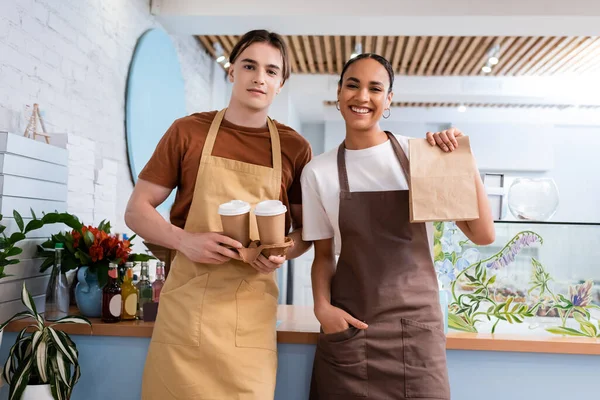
[(400, 155), (343, 172)]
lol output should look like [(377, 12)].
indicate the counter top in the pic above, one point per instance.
[(298, 325)]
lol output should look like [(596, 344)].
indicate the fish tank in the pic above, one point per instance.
[(536, 278)]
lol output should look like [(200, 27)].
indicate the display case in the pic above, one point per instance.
[(541, 277)]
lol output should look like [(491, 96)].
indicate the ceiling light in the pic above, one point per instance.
[(227, 64), (486, 69), (219, 53), (493, 60), (462, 108), (357, 50)]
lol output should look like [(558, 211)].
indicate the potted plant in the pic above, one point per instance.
[(43, 363), (8, 244), (88, 249)]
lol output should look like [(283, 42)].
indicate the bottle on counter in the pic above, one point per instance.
[(129, 293), (158, 284), (144, 288), (57, 292), (111, 296)]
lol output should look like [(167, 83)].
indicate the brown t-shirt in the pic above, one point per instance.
[(176, 159)]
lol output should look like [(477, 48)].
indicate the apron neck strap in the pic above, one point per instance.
[(343, 172), (401, 156), (214, 130)]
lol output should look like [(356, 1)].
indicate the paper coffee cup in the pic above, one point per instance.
[(270, 219), (235, 218)]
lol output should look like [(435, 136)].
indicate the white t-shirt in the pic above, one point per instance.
[(374, 169)]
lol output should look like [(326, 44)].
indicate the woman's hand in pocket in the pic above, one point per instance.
[(334, 319)]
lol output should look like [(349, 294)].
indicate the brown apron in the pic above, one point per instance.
[(385, 277), (215, 334)]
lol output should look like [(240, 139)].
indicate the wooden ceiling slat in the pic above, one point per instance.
[(207, 45), (507, 58), (585, 44), (368, 47), (541, 48), (348, 50), (581, 57), (226, 43), (379, 45), (299, 53), (398, 54), (233, 40), (308, 54), (588, 65), (446, 55), (328, 54), (438, 53), (291, 55), (464, 42), (317, 45), (562, 55), (339, 57), (416, 59), (389, 47), (479, 57), (528, 45), (458, 69), (428, 54), (564, 42), (407, 56)]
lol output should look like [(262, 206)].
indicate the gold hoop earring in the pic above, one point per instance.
[(337, 105), (388, 115)]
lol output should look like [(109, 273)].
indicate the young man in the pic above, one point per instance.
[(215, 333)]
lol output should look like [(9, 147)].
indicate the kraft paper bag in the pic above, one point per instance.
[(442, 185)]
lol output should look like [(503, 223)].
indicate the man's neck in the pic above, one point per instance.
[(237, 114)]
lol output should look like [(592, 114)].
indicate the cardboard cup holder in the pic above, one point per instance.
[(250, 254)]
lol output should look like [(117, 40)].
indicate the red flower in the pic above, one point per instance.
[(96, 252)]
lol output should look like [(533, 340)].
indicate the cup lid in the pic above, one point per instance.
[(269, 208), (234, 207)]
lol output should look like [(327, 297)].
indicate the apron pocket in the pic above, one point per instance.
[(341, 363), (426, 374), (180, 313), (256, 318)]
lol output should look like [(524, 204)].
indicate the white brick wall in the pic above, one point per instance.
[(72, 57)]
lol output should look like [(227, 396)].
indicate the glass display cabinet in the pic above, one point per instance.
[(541, 277)]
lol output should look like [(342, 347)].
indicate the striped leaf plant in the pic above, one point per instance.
[(42, 355)]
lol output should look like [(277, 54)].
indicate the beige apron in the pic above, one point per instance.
[(215, 334)]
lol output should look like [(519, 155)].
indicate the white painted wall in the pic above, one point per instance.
[(72, 57)]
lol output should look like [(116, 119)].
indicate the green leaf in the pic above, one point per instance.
[(14, 251), (494, 326), (2, 228), (28, 302), (20, 315), (20, 379), (73, 319), (457, 323), (61, 344), (88, 238), (48, 262), (32, 213), (560, 330), (492, 280), (83, 257), (16, 237), (471, 278), (18, 219), (41, 353), (33, 225)]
